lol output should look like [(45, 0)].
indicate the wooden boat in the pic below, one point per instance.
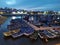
[(9, 33)]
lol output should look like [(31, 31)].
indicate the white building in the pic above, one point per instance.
[(14, 13), (19, 12)]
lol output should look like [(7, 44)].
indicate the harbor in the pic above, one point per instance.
[(25, 32)]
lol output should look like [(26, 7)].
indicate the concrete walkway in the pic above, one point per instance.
[(41, 28)]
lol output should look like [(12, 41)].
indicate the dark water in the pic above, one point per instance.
[(21, 40)]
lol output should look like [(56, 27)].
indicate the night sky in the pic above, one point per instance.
[(31, 4)]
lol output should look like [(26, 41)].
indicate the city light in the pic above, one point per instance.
[(13, 17), (16, 17)]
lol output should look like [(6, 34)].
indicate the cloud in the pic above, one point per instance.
[(48, 7), (10, 2)]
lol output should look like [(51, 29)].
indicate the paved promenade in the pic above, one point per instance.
[(41, 28)]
